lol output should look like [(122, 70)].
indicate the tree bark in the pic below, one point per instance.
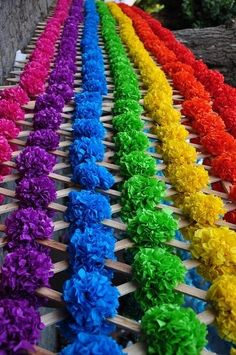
[(216, 46)]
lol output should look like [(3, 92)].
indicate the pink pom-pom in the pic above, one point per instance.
[(5, 150), (15, 94), (8, 129), (11, 110)]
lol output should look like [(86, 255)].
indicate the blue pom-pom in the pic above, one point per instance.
[(86, 208), (91, 176), (84, 149), (88, 105), (88, 128), (91, 298), (89, 344), (89, 249)]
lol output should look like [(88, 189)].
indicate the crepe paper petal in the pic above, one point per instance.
[(170, 328), (222, 296), (137, 163), (140, 192), (91, 176), (86, 343), (36, 192), (90, 299), (152, 228), (26, 269), (178, 152), (172, 131), (84, 149), (126, 105), (218, 142), (86, 208), (216, 249), (48, 118), (126, 122), (203, 209), (88, 128), (44, 138), (224, 166), (35, 161), (187, 178), (89, 248), (19, 315), (157, 273), (126, 142)]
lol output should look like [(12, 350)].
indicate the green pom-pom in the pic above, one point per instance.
[(126, 142), (127, 89), (122, 106), (173, 330), (137, 163), (157, 273), (152, 228), (127, 121), (140, 192)]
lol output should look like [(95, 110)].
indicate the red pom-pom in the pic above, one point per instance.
[(232, 193), (195, 106), (230, 217), (208, 122), (218, 142), (224, 166)]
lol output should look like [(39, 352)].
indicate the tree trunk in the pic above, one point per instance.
[(216, 46)]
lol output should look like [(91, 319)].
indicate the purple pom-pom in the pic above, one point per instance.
[(36, 192), (44, 138), (47, 118), (35, 161), (63, 89), (25, 270), (27, 224), (49, 100), (20, 326), (61, 75)]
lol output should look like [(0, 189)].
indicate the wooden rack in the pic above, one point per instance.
[(61, 175)]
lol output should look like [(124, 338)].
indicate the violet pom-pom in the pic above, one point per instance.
[(49, 100), (62, 89), (44, 138), (25, 270), (91, 176), (61, 75), (88, 128), (90, 299), (20, 326), (90, 247), (27, 224), (86, 344), (87, 207), (35, 161), (86, 149), (36, 192), (47, 118)]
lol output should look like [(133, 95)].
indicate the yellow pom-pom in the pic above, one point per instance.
[(179, 152), (171, 131), (203, 209), (154, 98), (233, 351), (222, 295), (165, 114), (216, 249), (187, 178)]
